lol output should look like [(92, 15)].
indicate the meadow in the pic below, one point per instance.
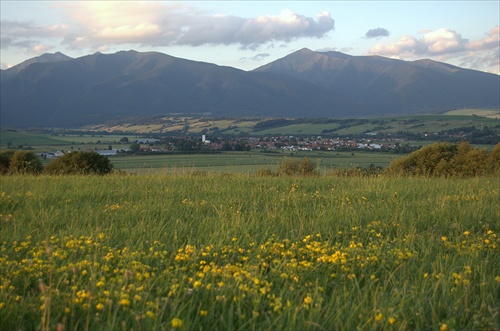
[(206, 251)]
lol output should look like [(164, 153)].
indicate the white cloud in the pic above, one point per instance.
[(155, 24), (446, 45), (40, 49), (98, 25)]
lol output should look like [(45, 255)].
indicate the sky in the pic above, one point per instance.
[(249, 34)]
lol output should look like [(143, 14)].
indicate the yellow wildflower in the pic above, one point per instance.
[(177, 323), (379, 317), (392, 320), (124, 302)]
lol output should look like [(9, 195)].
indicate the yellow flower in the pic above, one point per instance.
[(99, 306), (392, 320), (426, 275), (443, 327), (443, 238), (177, 323), (466, 233), (203, 312), (124, 302), (308, 300), (150, 314), (379, 317)]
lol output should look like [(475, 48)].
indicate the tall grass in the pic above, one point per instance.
[(203, 251)]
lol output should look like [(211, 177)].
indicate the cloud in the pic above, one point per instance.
[(14, 30), (376, 33), (101, 25), (256, 58), (157, 24), (260, 57), (445, 45)]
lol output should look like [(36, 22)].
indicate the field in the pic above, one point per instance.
[(245, 162), (490, 113), (194, 251)]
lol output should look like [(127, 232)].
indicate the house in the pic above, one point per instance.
[(107, 152)]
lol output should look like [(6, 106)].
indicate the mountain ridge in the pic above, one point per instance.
[(57, 91), (392, 84)]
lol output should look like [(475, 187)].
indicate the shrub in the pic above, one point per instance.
[(80, 163), (264, 172), (448, 160), (289, 167), (371, 170), (5, 157), (24, 162)]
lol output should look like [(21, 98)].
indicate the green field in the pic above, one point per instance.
[(200, 251), (245, 162), (391, 124)]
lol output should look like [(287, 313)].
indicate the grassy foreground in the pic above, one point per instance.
[(204, 251)]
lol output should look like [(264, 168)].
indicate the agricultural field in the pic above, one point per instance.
[(245, 162), (195, 250), (490, 113), (234, 126)]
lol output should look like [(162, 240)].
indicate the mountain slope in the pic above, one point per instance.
[(392, 86), (99, 87), (56, 91), (44, 58)]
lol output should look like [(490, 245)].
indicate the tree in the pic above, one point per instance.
[(80, 163), (25, 162), (135, 147), (226, 147)]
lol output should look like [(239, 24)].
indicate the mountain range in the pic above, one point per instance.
[(54, 90)]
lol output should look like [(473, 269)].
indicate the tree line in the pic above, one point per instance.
[(437, 160), (74, 163)]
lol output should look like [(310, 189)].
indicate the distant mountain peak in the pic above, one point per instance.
[(44, 58)]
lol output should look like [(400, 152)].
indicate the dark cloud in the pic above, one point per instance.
[(376, 33), (260, 57)]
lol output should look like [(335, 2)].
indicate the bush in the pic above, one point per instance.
[(80, 163), (289, 167), (447, 160), (23, 162), (264, 172), (371, 170), (5, 157)]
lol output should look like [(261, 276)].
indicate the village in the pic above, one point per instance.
[(281, 143)]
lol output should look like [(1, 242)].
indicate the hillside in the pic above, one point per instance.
[(392, 86), (56, 91), (100, 87)]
